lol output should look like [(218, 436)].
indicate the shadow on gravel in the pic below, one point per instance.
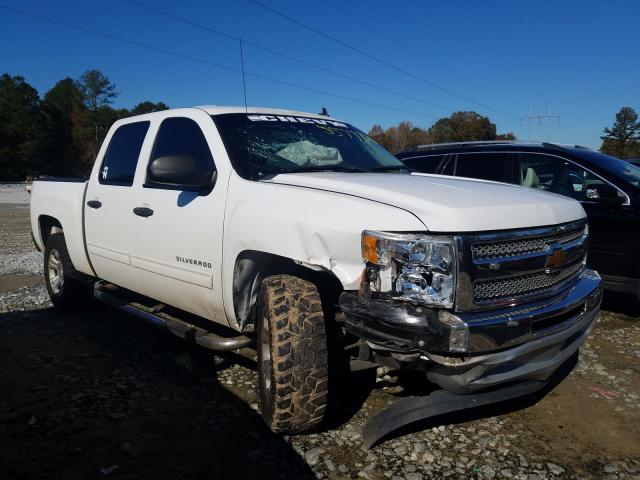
[(347, 394), (623, 303), (101, 394)]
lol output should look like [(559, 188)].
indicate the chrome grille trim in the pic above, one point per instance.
[(531, 283), (524, 246), (512, 267)]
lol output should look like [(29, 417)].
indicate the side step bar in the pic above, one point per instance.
[(177, 327)]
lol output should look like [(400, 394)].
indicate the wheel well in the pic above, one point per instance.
[(48, 225), (252, 267)]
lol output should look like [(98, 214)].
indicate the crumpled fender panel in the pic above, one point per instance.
[(314, 227)]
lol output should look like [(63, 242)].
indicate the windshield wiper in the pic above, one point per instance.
[(391, 168), (326, 169)]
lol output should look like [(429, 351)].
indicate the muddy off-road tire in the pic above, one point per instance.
[(292, 354), (65, 289)]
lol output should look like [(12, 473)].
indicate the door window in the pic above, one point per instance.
[(440, 164), (181, 136), (557, 175), (486, 166), (119, 164)]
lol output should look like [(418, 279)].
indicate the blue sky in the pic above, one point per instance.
[(580, 58)]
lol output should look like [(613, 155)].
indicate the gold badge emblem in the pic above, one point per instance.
[(556, 259)]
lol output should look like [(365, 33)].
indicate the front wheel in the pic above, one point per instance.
[(65, 290), (292, 354)]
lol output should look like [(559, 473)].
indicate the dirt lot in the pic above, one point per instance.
[(99, 394)]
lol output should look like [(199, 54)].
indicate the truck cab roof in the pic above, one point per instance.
[(223, 109)]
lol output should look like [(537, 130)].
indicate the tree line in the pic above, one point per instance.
[(459, 127), (60, 133), (622, 140)]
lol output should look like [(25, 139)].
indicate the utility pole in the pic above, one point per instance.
[(547, 120)]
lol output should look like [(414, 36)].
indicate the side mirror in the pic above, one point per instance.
[(180, 172), (605, 194)]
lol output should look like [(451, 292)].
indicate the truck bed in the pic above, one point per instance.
[(61, 199)]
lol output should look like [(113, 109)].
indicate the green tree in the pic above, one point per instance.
[(67, 125), (622, 140), (98, 92), (463, 126), (148, 107), (20, 128)]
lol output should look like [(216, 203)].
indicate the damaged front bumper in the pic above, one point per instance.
[(441, 403), (468, 352)]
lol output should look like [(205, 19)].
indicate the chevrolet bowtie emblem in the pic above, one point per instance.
[(556, 259)]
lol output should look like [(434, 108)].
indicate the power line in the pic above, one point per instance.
[(285, 55), (378, 31), (207, 62), (375, 58), (358, 20)]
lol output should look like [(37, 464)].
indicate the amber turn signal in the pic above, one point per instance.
[(369, 248)]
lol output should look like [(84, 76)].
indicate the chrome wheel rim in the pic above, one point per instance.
[(56, 272), (265, 356)]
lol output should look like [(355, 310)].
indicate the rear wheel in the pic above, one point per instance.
[(292, 354), (61, 278)]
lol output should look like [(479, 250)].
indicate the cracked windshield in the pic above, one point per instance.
[(266, 145)]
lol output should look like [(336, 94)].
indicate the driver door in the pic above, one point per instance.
[(176, 248)]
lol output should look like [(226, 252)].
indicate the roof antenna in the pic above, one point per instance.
[(244, 81), (246, 110), (324, 112)]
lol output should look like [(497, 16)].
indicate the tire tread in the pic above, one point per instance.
[(298, 351)]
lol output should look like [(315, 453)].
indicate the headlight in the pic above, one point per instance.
[(414, 267)]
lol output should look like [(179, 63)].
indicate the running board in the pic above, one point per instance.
[(187, 331)]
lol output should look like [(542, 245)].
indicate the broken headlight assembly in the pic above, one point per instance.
[(417, 268)]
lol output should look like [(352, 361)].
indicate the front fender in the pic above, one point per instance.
[(315, 228)]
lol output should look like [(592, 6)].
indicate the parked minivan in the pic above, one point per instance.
[(608, 188)]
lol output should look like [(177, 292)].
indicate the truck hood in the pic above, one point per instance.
[(447, 204)]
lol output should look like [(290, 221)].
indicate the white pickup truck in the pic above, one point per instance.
[(294, 231)]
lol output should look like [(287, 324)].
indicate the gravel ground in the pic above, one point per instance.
[(13, 193), (99, 394)]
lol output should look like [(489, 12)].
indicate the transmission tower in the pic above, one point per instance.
[(543, 121)]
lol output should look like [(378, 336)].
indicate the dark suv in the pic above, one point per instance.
[(608, 188)]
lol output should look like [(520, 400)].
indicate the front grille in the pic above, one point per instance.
[(523, 246), (523, 284), (513, 267)]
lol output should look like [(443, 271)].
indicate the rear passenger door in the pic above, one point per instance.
[(108, 203)]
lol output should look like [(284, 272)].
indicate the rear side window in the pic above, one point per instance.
[(440, 164), (181, 136), (119, 164), (495, 166)]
